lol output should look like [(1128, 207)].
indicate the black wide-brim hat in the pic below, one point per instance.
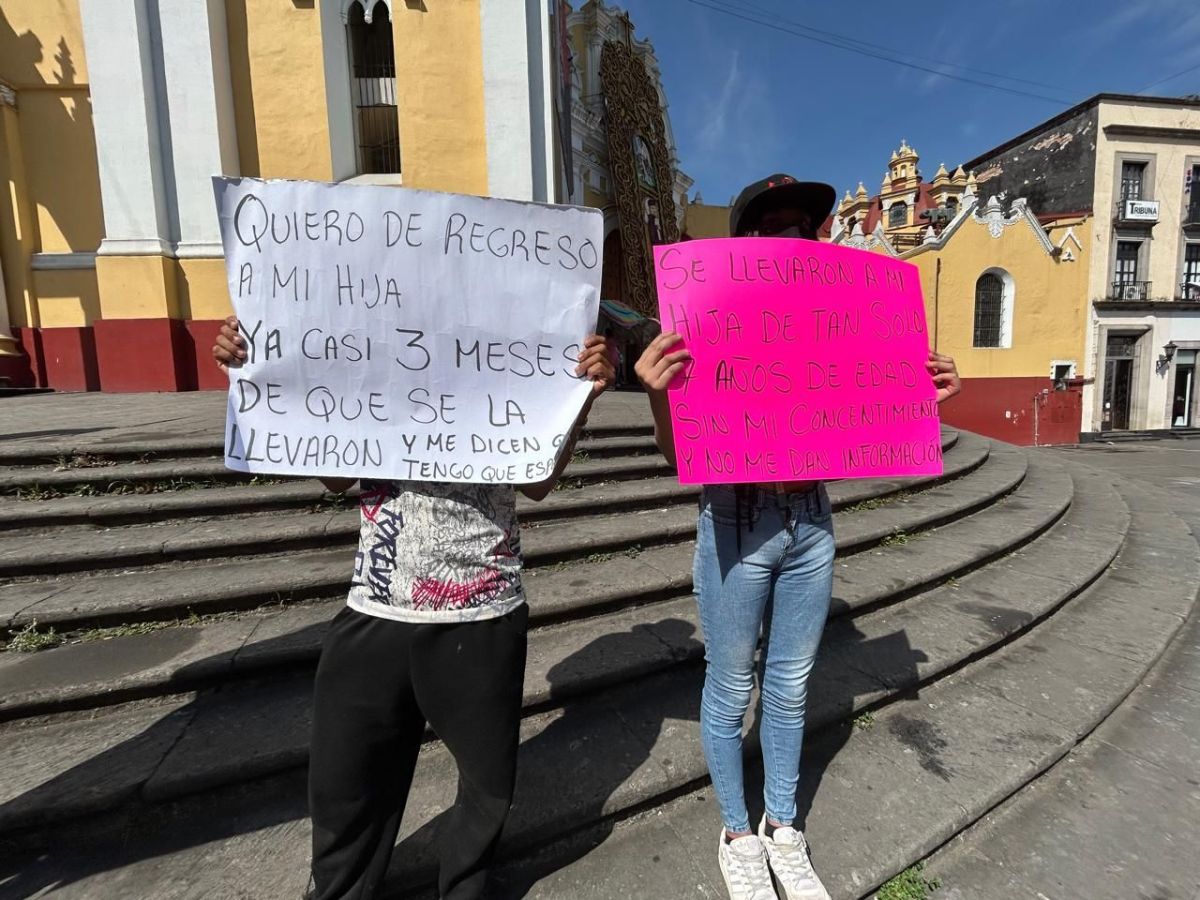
[(778, 190)]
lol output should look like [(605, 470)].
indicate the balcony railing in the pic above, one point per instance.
[(1192, 215), (1130, 290), (1144, 211), (1189, 290)]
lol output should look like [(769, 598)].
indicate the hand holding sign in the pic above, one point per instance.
[(796, 361)]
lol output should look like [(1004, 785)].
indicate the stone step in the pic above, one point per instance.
[(233, 582), (970, 738), (199, 499), (603, 459), (252, 730), (65, 549), (969, 741), (29, 553), (29, 453), (136, 666), (137, 509), (966, 741)]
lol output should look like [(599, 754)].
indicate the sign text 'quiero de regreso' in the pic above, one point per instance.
[(405, 334)]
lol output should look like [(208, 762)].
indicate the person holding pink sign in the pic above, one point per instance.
[(763, 566)]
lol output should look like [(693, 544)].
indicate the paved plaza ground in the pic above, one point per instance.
[(1116, 817)]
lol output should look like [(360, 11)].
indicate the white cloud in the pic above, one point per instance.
[(714, 130)]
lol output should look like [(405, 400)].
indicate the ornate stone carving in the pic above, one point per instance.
[(994, 218), (632, 110)]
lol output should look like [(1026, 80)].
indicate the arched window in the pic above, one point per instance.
[(373, 88), (898, 214), (993, 309), (952, 205)]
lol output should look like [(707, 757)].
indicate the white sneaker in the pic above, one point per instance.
[(744, 865), (787, 853)]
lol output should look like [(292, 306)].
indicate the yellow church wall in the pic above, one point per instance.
[(439, 87), (702, 220), (137, 287), (18, 225), (67, 298), (203, 289), (61, 171), (1049, 302), (278, 89), (41, 42), (47, 163)]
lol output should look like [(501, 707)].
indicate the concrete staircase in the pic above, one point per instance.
[(983, 622)]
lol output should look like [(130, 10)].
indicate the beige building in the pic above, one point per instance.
[(1133, 163)]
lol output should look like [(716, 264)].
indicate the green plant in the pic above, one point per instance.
[(568, 484), (863, 506), (37, 492), (895, 539), (82, 461), (863, 721), (88, 635), (911, 884), (30, 640)]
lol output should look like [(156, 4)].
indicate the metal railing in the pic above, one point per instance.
[(1189, 290), (1130, 290)]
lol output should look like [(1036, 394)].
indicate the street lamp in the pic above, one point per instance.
[(1168, 353)]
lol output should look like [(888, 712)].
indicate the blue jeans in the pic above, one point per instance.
[(775, 578)]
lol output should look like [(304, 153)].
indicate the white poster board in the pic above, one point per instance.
[(404, 334)]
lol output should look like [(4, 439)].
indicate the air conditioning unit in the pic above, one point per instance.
[(1131, 292)]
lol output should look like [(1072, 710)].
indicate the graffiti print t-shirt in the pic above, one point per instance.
[(433, 552)]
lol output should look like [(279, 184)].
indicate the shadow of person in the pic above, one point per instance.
[(578, 772), (586, 760), (849, 666), (96, 816), (580, 764)]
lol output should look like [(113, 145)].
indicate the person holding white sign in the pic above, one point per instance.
[(434, 632), (763, 565)]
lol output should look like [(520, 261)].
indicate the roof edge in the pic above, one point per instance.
[(1073, 111)]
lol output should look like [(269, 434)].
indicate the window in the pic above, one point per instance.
[(989, 310), (373, 89), (1182, 404), (952, 205), (1127, 261), (1132, 176), (1193, 203), (1125, 275), (898, 214), (1063, 371), (1190, 289)]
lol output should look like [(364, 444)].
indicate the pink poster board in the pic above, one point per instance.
[(808, 362)]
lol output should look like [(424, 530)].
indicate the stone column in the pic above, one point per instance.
[(15, 239), (202, 139), (119, 36)]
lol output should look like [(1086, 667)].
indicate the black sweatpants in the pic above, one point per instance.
[(378, 683)]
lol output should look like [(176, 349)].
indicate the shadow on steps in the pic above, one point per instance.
[(601, 757)]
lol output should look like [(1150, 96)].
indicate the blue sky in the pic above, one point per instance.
[(747, 100)]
